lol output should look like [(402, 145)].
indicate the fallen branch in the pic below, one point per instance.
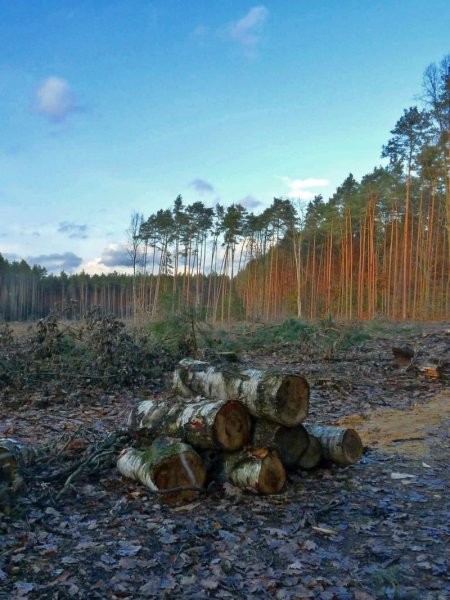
[(110, 445)]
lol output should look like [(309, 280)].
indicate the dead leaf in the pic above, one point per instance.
[(361, 595), (210, 584), (128, 550), (324, 530), (402, 476)]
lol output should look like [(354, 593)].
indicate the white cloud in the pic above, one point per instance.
[(248, 30), (299, 188), (54, 99)]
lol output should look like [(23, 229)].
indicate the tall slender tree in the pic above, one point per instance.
[(409, 135)]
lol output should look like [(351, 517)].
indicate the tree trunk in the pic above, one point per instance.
[(290, 442), (202, 423), (277, 397), (339, 445), (312, 456), (169, 464), (258, 469)]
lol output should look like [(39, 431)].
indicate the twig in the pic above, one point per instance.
[(95, 456), (106, 448), (176, 490)]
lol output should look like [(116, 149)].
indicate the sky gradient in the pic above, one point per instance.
[(110, 107)]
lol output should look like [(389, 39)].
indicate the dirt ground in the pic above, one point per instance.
[(376, 529)]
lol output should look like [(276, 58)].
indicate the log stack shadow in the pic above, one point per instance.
[(250, 421)]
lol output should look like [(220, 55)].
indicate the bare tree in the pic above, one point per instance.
[(134, 242)]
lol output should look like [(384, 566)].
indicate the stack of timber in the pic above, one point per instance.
[(250, 420)]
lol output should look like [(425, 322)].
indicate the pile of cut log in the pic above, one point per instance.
[(244, 426)]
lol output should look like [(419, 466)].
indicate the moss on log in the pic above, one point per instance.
[(168, 464), (278, 397), (339, 445), (290, 442), (257, 469), (203, 423)]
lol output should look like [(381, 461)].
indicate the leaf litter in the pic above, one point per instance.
[(356, 532)]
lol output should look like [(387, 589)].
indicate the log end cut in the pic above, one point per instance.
[(184, 470), (232, 426), (352, 447), (292, 400), (257, 469), (312, 456), (290, 442), (272, 476), (175, 465)]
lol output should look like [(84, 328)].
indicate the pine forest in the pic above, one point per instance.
[(378, 247)]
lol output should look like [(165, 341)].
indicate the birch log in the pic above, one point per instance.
[(339, 445), (169, 464), (13, 456), (258, 469), (312, 456), (282, 398), (202, 423), (290, 442)]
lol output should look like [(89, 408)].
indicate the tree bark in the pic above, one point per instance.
[(202, 423), (169, 464), (312, 456), (258, 469), (13, 456), (290, 442), (282, 398), (339, 445)]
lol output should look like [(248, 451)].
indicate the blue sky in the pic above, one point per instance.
[(114, 106)]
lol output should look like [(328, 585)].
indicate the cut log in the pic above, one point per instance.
[(339, 445), (290, 442), (403, 357), (435, 369), (202, 423), (278, 397), (258, 470), (13, 456), (168, 464), (312, 456)]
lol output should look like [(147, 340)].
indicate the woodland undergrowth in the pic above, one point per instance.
[(102, 351)]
